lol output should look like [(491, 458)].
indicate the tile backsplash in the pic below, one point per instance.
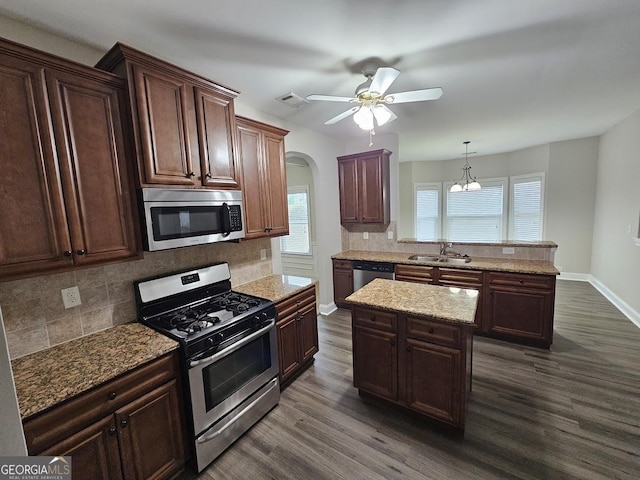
[(35, 317), (378, 240)]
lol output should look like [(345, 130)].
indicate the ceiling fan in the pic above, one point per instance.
[(370, 100)]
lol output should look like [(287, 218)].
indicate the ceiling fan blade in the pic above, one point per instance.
[(329, 98), (414, 96), (383, 79), (337, 118)]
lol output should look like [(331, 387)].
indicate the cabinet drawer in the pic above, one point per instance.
[(375, 319), (295, 303), (342, 264), (522, 280), (414, 273), (450, 276), (48, 428), (434, 332)]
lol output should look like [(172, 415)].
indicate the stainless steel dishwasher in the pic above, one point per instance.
[(364, 272)]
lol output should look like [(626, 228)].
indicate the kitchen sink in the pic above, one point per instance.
[(424, 258), (429, 258)]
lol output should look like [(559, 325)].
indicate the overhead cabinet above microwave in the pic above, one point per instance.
[(183, 124)]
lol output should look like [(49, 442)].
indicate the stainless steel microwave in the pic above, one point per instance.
[(175, 218)]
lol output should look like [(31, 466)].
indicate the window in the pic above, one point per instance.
[(298, 241), (478, 215), (527, 193), (427, 196)]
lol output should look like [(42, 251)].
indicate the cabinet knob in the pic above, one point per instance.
[(124, 422), (408, 348), (431, 330), (208, 175), (113, 395), (521, 281), (67, 253), (392, 343), (82, 251), (191, 174), (112, 430)]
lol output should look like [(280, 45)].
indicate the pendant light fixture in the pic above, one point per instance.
[(467, 183)]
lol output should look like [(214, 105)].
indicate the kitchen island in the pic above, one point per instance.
[(412, 346)]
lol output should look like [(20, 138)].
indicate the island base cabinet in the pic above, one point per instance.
[(434, 380), (375, 362)]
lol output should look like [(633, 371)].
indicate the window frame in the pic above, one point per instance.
[(293, 190)]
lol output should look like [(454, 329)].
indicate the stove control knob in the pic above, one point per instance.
[(220, 336), (264, 317), (208, 342)]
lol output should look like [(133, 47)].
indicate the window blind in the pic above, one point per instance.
[(526, 206), (427, 211), (298, 240), (476, 215)]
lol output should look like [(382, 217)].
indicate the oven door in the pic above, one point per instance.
[(223, 381)]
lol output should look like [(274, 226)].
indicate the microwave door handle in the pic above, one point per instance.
[(226, 219)]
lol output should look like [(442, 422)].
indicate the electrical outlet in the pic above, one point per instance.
[(263, 254), (365, 235), (390, 234), (71, 297), (508, 250)]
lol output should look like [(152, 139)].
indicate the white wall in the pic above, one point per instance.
[(11, 437), (615, 259)]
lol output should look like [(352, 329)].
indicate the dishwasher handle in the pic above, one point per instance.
[(381, 267)]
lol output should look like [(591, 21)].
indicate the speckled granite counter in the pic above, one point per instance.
[(537, 267), (50, 376), (275, 287), (453, 305)]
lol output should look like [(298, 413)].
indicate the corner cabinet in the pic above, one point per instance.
[(415, 362), (65, 160), (129, 428), (264, 178), (297, 325), (183, 124), (363, 180), (342, 282)]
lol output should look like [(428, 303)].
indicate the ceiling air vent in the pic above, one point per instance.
[(293, 100)]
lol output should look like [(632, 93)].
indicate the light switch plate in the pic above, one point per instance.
[(263, 254), (390, 234), (365, 235), (508, 250), (71, 297)]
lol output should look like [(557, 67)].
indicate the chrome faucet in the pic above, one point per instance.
[(444, 246)]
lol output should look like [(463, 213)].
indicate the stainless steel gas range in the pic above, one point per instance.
[(228, 349)]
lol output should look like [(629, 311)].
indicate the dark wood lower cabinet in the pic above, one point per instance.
[(297, 325), (342, 282), (113, 433), (415, 362)]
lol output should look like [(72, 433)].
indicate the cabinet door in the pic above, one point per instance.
[(371, 190), (276, 184), (524, 314), (288, 346), (94, 161), (216, 133), (435, 381), (375, 362), (164, 105), (252, 181), (94, 452), (342, 283), (348, 189), (308, 319), (32, 217), (151, 435)]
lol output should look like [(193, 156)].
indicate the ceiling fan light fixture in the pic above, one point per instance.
[(382, 115), (364, 118)]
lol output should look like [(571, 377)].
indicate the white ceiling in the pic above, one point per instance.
[(514, 73)]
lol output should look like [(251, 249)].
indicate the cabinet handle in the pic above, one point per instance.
[(431, 330), (124, 422), (408, 348), (208, 175), (112, 430), (82, 251), (113, 395), (67, 253), (191, 174), (521, 281)]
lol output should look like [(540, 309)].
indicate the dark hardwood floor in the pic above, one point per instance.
[(569, 413)]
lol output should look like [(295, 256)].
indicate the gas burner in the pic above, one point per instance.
[(196, 326)]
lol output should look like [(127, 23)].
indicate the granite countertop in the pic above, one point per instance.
[(538, 267), (51, 376), (452, 305), (275, 287)]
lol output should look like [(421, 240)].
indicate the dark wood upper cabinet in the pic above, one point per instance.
[(264, 178), (363, 180), (66, 183), (183, 124)]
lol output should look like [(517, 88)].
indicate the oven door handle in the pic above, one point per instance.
[(274, 384), (234, 347)]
